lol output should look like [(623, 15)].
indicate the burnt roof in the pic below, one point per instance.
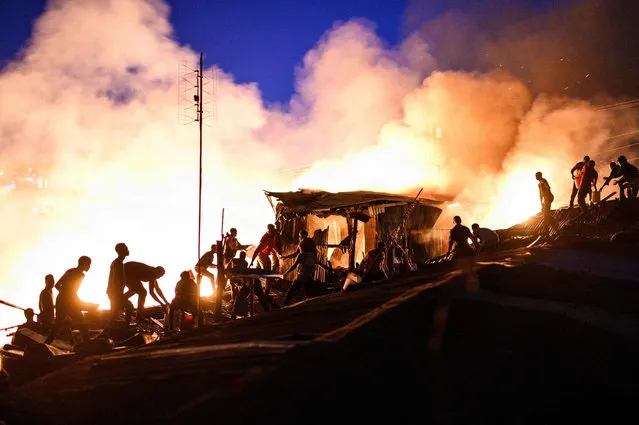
[(306, 201), (605, 215)]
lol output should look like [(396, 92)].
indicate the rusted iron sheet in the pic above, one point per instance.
[(310, 201), (564, 216)]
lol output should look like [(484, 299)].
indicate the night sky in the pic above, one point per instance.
[(262, 41)]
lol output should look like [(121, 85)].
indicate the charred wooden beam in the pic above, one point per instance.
[(351, 257), (221, 281)]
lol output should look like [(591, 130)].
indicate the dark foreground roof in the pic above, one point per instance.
[(306, 201), (364, 357)]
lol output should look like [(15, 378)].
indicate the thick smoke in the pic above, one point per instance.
[(515, 90), (95, 110), (579, 48)]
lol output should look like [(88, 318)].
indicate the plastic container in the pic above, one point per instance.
[(187, 321)]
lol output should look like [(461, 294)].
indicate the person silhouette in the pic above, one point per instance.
[(136, 273), (67, 303)]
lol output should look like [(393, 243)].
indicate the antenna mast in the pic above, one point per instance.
[(196, 102), (198, 99)]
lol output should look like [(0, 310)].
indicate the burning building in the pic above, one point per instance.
[(346, 225)]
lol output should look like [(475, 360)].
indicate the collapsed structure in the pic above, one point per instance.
[(346, 225)]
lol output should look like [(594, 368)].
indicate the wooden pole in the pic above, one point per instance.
[(351, 256), (222, 228), (221, 281), (8, 304)]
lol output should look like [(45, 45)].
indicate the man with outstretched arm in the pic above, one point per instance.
[(305, 262), (202, 267)]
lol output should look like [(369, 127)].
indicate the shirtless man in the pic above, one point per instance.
[(136, 273)]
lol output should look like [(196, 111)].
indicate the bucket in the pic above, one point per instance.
[(187, 321), (596, 196)]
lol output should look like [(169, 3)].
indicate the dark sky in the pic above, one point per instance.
[(255, 40), (262, 41)]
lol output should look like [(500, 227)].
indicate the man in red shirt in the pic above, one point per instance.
[(575, 173), (186, 293), (588, 178), (270, 245)]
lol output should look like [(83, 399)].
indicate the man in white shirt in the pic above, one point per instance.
[(488, 239)]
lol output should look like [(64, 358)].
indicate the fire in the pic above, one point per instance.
[(157, 233), (517, 201), (401, 161)]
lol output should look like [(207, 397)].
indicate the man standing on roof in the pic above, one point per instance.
[(306, 245), (46, 304), (575, 173), (67, 303), (232, 246), (588, 178), (305, 263), (615, 173), (269, 247), (546, 198), (630, 177), (202, 267), (464, 253), (117, 281)]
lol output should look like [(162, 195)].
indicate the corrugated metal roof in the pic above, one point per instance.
[(596, 216), (312, 201)]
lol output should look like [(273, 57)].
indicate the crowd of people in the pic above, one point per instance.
[(584, 184), (585, 178), (128, 278), (464, 243)]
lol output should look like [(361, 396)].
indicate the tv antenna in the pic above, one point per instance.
[(191, 91)]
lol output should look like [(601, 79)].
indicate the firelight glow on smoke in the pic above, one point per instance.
[(100, 123)]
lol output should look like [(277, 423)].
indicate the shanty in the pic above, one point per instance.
[(397, 212), (356, 220)]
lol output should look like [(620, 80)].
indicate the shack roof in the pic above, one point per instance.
[(319, 202)]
